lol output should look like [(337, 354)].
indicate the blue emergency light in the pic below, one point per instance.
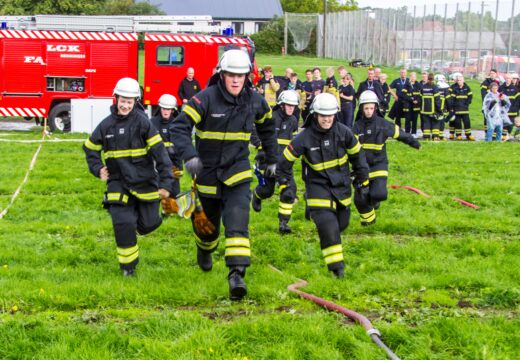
[(4, 25), (228, 31)]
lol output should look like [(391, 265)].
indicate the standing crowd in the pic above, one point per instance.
[(342, 147)]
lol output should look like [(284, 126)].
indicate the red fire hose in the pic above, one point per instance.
[(374, 334), (415, 190), (466, 203)]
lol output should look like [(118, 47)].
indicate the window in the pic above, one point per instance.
[(170, 55), (484, 53), (259, 26), (65, 84), (463, 54), (238, 27)]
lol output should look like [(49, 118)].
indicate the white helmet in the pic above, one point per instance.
[(235, 61), (289, 97), (514, 75), (440, 78), (167, 101), (325, 104), (368, 97), (127, 87), (455, 75)]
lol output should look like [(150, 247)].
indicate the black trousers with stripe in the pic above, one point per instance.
[(137, 217), (462, 119), (378, 192), (233, 210), (330, 223), (287, 196), (410, 125)]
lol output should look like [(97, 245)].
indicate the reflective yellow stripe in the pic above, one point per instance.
[(125, 153), (90, 145), (378, 173), (334, 249), (285, 208), (281, 188), (215, 135), (461, 96), (206, 245), (237, 252), (368, 217), (327, 164), (373, 146), (355, 149), (267, 115), (333, 258), (284, 141), (396, 132), (117, 197), (127, 255), (146, 196), (153, 140), (238, 242), (192, 113), (324, 203), (206, 189), (238, 177), (288, 155), (346, 202), (168, 143)]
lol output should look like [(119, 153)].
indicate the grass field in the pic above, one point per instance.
[(438, 279)]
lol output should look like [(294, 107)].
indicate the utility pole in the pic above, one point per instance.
[(324, 25)]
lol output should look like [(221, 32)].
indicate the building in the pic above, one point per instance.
[(244, 16)]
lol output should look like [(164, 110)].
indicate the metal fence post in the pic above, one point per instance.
[(381, 36), (510, 35), (480, 36), (422, 35), (495, 35), (444, 36), (412, 46), (433, 37), (467, 38), (455, 33), (396, 20), (285, 35)]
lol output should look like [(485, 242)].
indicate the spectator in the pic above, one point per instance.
[(268, 86), (495, 108), (189, 86)]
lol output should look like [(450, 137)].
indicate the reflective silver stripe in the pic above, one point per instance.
[(378, 173), (153, 140), (125, 153), (192, 113), (238, 177), (327, 164), (355, 149), (229, 136), (288, 155)]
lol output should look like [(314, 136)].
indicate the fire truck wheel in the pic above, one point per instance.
[(59, 118)]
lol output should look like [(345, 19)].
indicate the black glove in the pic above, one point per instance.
[(415, 144), (363, 191), (194, 166), (270, 170)]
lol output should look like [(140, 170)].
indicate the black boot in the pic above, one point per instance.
[(129, 272), (237, 286), (284, 227), (339, 273), (256, 203), (204, 259)]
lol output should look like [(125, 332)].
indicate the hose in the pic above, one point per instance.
[(466, 203), (374, 334), (415, 190)]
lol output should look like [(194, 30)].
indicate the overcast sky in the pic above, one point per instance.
[(504, 11)]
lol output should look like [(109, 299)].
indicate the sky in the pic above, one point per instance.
[(503, 13)]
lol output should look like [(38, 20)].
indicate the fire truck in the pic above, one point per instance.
[(46, 60)]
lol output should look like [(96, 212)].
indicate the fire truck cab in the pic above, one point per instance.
[(42, 69)]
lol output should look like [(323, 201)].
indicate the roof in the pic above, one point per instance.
[(424, 40), (225, 9)]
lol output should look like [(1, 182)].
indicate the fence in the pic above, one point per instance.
[(470, 37)]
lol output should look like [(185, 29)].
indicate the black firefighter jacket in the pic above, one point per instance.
[(163, 126), (286, 129), (129, 146), (430, 100), (372, 134), (459, 99), (326, 155), (223, 125)]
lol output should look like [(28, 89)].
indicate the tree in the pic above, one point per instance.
[(316, 6), (75, 7)]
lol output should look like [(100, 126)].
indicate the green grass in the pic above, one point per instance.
[(438, 279)]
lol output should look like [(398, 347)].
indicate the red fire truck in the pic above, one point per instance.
[(42, 70)]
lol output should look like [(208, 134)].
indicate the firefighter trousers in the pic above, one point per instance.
[(462, 119), (330, 223), (378, 192), (233, 209), (431, 127), (287, 195), (137, 217), (410, 125)]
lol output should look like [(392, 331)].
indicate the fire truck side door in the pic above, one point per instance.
[(22, 67)]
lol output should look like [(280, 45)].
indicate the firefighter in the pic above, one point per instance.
[(286, 128), (443, 92), (372, 131), (412, 95), (431, 111), (326, 145), (386, 91), (162, 122), (188, 87), (511, 91), (126, 151), (223, 116), (397, 112), (268, 86), (460, 97), (484, 88)]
